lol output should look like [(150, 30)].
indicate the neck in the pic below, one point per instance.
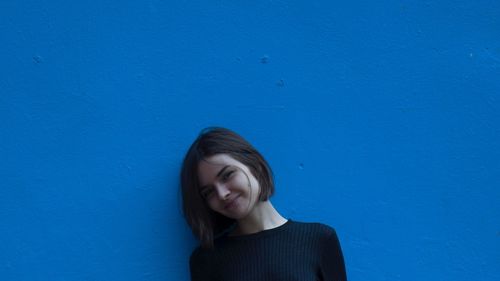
[(264, 216)]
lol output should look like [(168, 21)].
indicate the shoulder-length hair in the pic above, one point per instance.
[(204, 222)]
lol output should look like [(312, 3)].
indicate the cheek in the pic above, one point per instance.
[(212, 205), (254, 187), (247, 179), (254, 182)]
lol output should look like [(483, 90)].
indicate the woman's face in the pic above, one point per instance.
[(228, 186)]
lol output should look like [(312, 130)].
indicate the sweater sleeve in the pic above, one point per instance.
[(332, 261)]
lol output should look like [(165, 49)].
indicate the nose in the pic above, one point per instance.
[(222, 191)]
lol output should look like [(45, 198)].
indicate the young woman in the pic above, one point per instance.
[(226, 185)]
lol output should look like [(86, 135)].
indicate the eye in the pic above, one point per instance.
[(227, 176), (207, 192)]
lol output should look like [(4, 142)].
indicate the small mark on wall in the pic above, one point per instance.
[(37, 59), (493, 54), (301, 166), (280, 83), (264, 59)]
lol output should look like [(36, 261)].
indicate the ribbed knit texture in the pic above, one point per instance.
[(293, 251)]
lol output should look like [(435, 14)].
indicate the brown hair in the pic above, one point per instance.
[(204, 222)]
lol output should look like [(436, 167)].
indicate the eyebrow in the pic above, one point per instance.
[(218, 175)]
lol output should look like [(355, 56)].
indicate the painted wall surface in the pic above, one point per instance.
[(379, 118)]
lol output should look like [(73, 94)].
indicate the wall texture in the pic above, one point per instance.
[(379, 118)]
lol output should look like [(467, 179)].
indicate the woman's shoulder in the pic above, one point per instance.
[(292, 228), (206, 254), (314, 228), (201, 255), (196, 254)]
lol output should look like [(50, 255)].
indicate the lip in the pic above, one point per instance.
[(231, 203)]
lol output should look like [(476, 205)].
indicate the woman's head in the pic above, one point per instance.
[(216, 165)]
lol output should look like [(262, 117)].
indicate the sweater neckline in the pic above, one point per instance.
[(259, 234)]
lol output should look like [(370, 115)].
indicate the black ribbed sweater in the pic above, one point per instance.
[(292, 251)]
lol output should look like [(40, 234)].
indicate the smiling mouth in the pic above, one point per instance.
[(231, 203)]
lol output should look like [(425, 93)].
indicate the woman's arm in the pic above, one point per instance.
[(332, 260)]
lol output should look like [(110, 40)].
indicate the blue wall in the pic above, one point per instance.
[(381, 119)]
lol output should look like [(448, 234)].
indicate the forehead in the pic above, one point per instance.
[(209, 167)]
